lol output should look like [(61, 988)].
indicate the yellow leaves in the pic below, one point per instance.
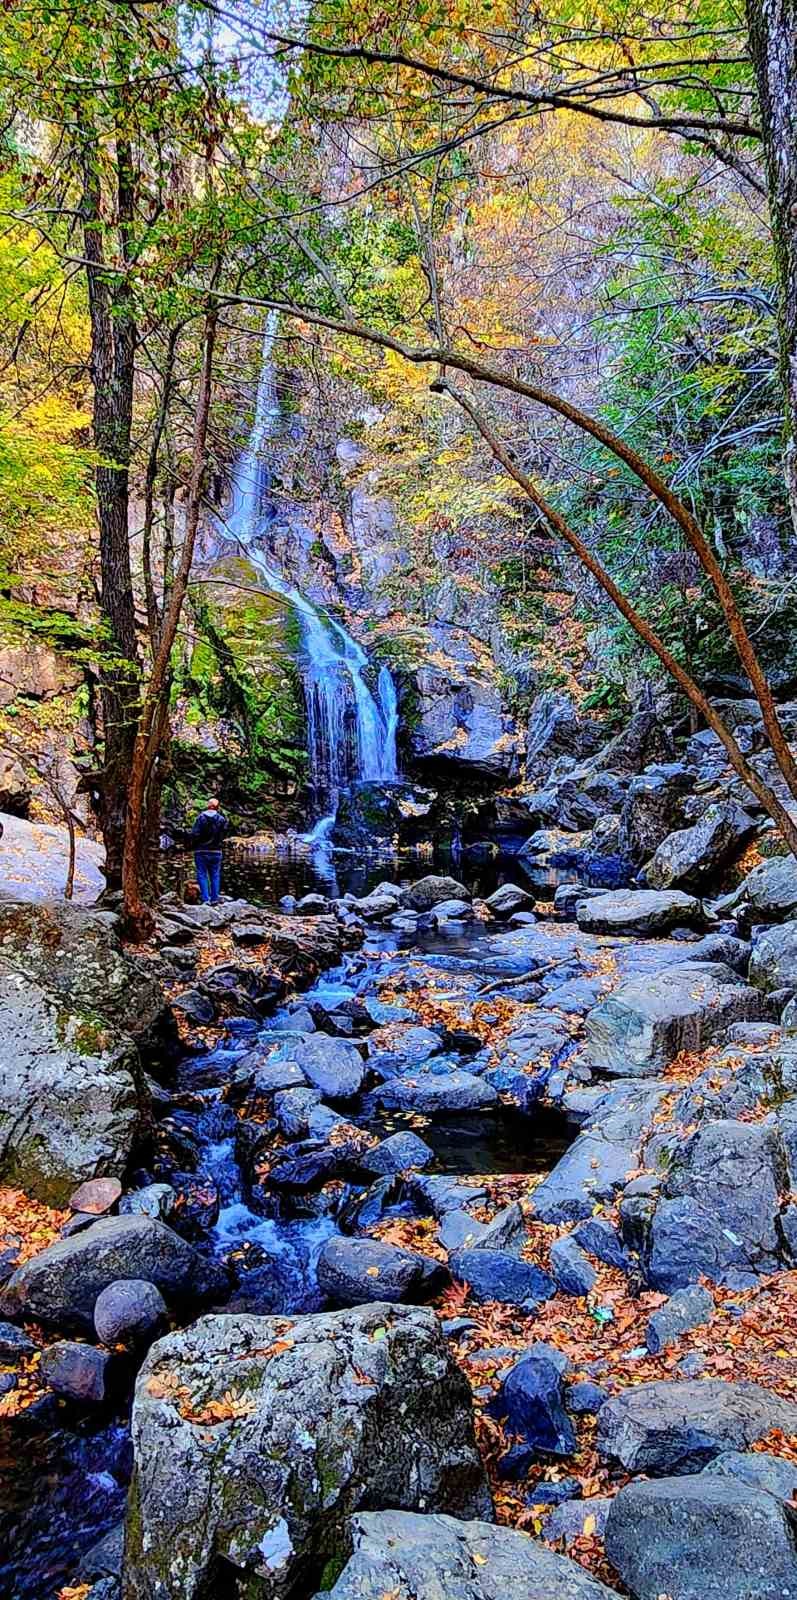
[(75, 1592), (589, 1527), (27, 1226), (372, 1272), (230, 1407), (479, 1559)]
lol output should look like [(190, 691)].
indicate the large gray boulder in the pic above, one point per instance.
[(642, 912), (769, 892), (593, 1169), (439, 1558), (70, 1102), (641, 1028), (352, 1272), (644, 739), (556, 728), (75, 954), (688, 858), (60, 1285), (773, 963), (672, 1428), (654, 807), (702, 1538), (333, 1066), (433, 890), (720, 1206), (432, 1093), (255, 1439)]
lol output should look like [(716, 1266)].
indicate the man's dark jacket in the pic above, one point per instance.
[(209, 830)]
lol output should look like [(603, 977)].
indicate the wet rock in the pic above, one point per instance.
[(337, 1410), (130, 1311), (398, 1153), (573, 1273), (643, 912), (430, 891), (734, 953), (653, 808), (506, 1231), (773, 963), (104, 1559), (70, 1103), (702, 1538), (556, 728), (688, 858), (195, 1006), (444, 1559), (15, 789), (60, 1285), (502, 902), (642, 1026), (332, 1066), (353, 1272), (276, 1075), (76, 1371), (530, 1403), (720, 1206), (666, 1427), (497, 1275), (686, 1309), (432, 1094)]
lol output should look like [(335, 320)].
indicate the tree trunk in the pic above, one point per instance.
[(772, 27), (113, 340), (153, 721)]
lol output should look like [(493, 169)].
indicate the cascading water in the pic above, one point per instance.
[(351, 732)]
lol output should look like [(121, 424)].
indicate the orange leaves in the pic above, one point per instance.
[(27, 1226), (75, 1592), (213, 1412)]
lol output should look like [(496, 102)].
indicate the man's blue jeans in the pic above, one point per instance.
[(208, 875)]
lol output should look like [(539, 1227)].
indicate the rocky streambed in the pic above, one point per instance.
[(467, 1269)]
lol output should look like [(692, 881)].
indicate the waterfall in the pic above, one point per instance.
[(351, 732)]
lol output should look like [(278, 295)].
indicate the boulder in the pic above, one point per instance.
[(645, 913), (432, 890), (720, 1206), (353, 1272), (438, 1558), (154, 1200), (497, 1275), (76, 1371), (74, 953), (654, 807), (69, 1092), (255, 1439), (773, 963), (431, 1093), (557, 728), (530, 1403), (761, 1470), (333, 1067), (686, 1309), (688, 858), (702, 1538), (573, 1273), (60, 1285), (593, 1169), (670, 1427), (398, 1153), (643, 740), (130, 1311), (642, 1026), (502, 902), (769, 892)]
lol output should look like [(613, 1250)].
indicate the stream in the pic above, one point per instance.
[(63, 1474)]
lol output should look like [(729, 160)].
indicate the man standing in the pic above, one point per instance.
[(207, 837)]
